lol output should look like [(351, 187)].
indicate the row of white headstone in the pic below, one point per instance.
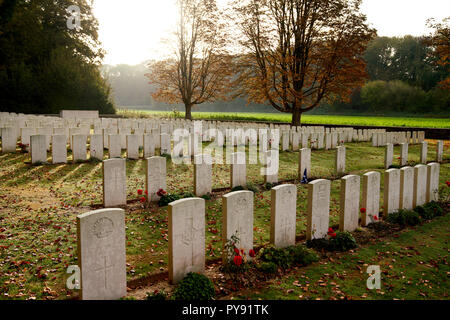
[(389, 153), (115, 179), (380, 139), (101, 241)]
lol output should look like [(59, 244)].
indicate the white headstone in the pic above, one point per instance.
[(96, 147), (423, 152), (155, 176), (433, 182), (388, 155), (38, 149), (406, 188), (133, 146), (403, 154), (349, 208), (114, 182), (238, 169), (237, 218), (439, 151), (79, 147), (391, 191), (186, 238), (101, 254), (59, 149), (202, 174), (304, 163), (420, 185), (340, 160), (283, 215), (318, 209), (371, 197)]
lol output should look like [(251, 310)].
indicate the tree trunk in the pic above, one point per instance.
[(296, 118), (188, 114)]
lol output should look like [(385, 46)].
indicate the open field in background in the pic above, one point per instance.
[(306, 119), (39, 205)]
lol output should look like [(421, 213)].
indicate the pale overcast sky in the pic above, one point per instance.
[(130, 30)]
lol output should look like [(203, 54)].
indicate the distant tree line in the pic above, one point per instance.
[(405, 77), (45, 66)]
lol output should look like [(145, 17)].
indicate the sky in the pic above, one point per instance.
[(131, 30)]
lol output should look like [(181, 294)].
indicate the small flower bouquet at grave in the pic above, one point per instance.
[(238, 260), (23, 147), (143, 195), (373, 217)]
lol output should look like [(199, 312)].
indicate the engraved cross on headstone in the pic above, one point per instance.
[(105, 269)]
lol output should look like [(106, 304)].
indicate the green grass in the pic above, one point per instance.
[(413, 266), (39, 205), (306, 119)]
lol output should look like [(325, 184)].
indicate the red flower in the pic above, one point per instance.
[(330, 230), (333, 235), (237, 260), (375, 218), (448, 183), (142, 199), (363, 210), (146, 192), (140, 192), (251, 253), (236, 250), (161, 192)]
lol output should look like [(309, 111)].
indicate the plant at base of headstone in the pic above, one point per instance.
[(143, 196), (404, 218), (237, 263), (343, 241), (430, 210), (335, 241), (252, 187), (156, 295), (269, 185), (23, 147), (194, 286), (285, 258), (168, 198), (237, 188), (206, 196)]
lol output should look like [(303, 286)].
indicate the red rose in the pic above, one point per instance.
[(142, 199), (161, 192), (237, 260), (146, 192), (333, 235), (251, 253), (330, 230), (140, 192), (448, 183), (375, 218), (363, 210), (236, 250)]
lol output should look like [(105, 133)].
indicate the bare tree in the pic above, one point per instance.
[(199, 71)]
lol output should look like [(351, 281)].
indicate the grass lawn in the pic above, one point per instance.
[(414, 265), (39, 205), (306, 119)]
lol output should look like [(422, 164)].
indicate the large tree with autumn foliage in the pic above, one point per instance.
[(298, 53), (199, 69), (440, 42)]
